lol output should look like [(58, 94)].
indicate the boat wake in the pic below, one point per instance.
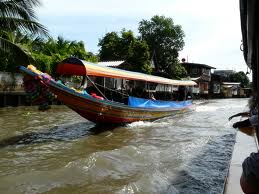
[(146, 124)]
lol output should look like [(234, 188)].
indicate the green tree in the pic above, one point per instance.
[(125, 46), (165, 40), (110, 47), (48, 53), (240, 77), (18, 16), (9, 60), (139, 57)]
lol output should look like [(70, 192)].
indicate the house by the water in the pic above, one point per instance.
[(137, 88), (201, 74), (209, 84), (221, 85)]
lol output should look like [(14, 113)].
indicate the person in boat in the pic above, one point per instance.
[(241, 114), (249, 180), (181, 93), (252, 120), (89, 87), (93, 92), (83, 84), (152, 97)]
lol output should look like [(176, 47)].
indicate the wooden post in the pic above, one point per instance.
[(164, 93), (19, 100), (4, 100), (104, 86)]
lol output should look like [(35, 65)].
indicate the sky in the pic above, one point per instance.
[(212, 28)]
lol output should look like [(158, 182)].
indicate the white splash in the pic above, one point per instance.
[(206, 108), (145, 124)]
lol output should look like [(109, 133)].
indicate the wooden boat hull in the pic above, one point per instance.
[(104, 111)]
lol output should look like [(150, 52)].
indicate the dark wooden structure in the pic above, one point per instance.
[(201, 74)]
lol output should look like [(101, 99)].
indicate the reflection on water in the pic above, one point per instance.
[(59, 152)]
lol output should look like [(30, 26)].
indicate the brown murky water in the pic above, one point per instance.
[(60, 152)]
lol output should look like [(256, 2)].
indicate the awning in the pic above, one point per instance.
[(74, 66)]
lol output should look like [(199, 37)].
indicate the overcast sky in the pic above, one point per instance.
[(212, 28)]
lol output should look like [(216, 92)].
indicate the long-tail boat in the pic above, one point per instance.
[(102, 110)]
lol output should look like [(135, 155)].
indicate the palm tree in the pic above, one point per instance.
[(18, 16)]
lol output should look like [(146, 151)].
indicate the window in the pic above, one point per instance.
[(194, 70), (206, 71)]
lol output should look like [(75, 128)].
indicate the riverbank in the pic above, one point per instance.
[(18, 98)]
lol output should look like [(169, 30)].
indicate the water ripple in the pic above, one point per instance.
[(60, 152)]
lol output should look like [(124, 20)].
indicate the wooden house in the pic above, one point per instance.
[(201, 74)]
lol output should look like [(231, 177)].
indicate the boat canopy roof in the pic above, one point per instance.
[(74, 66)]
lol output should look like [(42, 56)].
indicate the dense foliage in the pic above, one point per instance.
[(160, 40), (124, 46), (44, 54), (48, 53), (17, 17), (165, 40), (240, 77)]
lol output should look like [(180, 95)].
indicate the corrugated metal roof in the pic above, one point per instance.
[(198, 65), (110, 63), (191, 78)]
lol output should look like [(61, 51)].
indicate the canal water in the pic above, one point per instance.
[(60, 152)]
